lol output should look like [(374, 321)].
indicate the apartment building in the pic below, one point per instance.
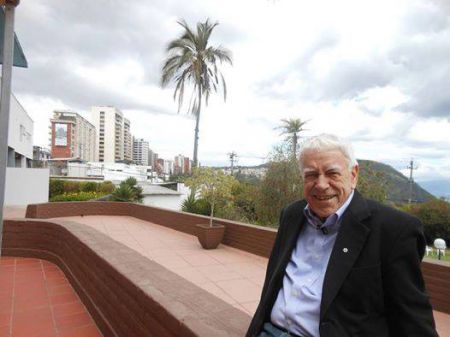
[(72, 136), (127, 141), (113, 135), (140, 151), (182, 164)]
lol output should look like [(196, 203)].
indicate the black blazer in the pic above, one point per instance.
[(375, 288)]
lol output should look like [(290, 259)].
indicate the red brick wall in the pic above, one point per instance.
[(126, 293)]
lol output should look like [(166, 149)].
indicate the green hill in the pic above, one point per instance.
[(395, 183)]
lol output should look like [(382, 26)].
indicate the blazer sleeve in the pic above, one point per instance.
[(408, 309)]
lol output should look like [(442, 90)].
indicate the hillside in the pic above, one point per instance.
[(397, 185)]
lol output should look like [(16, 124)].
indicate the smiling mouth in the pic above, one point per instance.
[(324, 197)]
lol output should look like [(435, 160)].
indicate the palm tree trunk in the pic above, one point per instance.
[(294, 144), (197, 122)]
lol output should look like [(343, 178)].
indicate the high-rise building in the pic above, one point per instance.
[(140, 151), (72, 136), (152, 158), (127, 141), (113, 134)]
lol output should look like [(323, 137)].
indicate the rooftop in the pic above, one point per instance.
[(232, 275)]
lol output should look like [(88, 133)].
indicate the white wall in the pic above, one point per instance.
[(20, 129), (169, 201), (26, 186)]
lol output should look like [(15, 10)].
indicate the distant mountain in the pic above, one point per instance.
[(397, 185), (440, 188)]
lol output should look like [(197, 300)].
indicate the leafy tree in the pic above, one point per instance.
[(435, 216), (192, 60), (291, 128), (281, 185), (214, 186)]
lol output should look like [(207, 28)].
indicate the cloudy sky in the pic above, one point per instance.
[(375, 72)]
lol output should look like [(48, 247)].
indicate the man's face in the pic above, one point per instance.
[(327, 181)]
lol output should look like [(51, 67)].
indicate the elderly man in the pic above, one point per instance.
[(341, 265)]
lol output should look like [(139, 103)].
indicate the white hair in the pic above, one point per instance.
[(327, 142)]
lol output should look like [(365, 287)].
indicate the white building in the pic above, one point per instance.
[(20, 136), (113, 134), (109, 171), (72, 136), (140, 151), (23, 185)]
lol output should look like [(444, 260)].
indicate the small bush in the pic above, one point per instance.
[(56, 187), (435, 216), (89, 186), (196, 206), (76, 196), (106, 187), (72, 186)]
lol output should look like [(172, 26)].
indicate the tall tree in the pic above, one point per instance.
[(192, 61), (292, 127)]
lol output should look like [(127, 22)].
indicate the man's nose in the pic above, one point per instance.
[(322, 182)]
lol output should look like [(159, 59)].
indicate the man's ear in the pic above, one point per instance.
[(354, 175)]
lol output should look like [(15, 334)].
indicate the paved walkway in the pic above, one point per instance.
[(36, 300)]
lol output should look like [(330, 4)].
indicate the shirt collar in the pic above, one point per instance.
[(333, 219)]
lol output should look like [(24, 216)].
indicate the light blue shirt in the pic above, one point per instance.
[(297, 307)]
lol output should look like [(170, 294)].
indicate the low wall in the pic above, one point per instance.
[(126, 294), (254, 239)]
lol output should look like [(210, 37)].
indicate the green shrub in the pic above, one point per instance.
[(56, 187), (72, 186), (123, 193), (196, 206), (76, 196), (106, 187), (435, 216), (128, 191), (89, 186)]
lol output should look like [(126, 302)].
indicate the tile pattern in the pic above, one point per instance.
[(36, 300), (230, 274)]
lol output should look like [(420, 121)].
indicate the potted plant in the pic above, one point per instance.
[(213, 186)]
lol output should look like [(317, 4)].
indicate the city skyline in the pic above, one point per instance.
[(381, 86)]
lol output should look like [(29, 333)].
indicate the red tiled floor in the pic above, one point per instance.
[(36, 300)]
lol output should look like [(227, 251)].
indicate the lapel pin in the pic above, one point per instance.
[(345, 250)]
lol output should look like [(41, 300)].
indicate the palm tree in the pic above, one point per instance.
[(292, 127), (192, 61)]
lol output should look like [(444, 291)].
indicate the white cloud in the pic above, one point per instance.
[(375, 72)]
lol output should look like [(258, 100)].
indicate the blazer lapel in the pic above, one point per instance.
[(349, 242)]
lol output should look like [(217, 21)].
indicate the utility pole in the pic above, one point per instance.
[(411, 167), (8, 52), (232, 156)]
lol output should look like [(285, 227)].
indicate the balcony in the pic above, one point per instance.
[(140, 271)]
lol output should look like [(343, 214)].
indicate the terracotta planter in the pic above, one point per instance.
[(210, 237)]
